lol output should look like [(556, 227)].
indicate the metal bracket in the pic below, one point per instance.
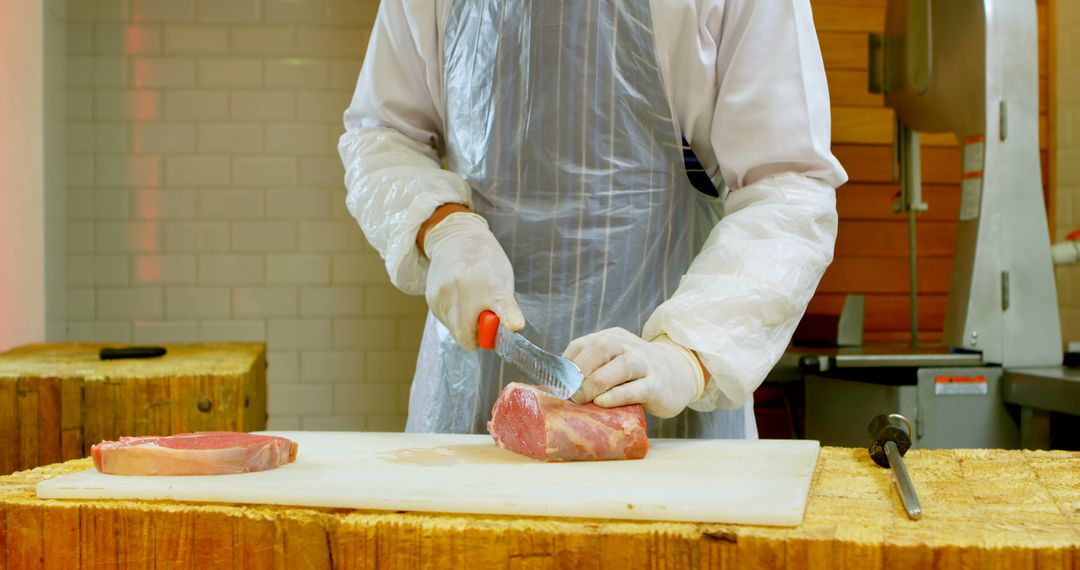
[(1005, 291), (876, 63), (919, 45), (907, 422), (1003, 121)]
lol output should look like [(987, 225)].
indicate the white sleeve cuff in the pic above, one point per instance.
[(699, 374)]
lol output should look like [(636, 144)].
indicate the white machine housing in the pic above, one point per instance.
[(970, 67)]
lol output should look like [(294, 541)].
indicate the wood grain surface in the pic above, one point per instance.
[(56, 400), (983, 509)]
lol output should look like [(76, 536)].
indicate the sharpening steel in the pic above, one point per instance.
[(888, 443)]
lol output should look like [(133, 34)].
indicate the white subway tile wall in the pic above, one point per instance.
[(205, 198), (1067, 20)]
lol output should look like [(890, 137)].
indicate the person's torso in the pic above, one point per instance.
[(686, 36), (557, 117)]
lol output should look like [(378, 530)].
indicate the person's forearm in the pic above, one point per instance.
[(437, 216), (746, 290)]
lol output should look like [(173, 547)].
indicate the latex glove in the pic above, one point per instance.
[(621, 368), (469, 273)]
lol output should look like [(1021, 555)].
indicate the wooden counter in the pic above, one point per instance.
[(56, 400), (983, 509)]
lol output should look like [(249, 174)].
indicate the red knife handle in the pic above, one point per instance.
[(487, 327)]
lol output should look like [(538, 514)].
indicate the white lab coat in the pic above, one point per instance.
[(748, 87)]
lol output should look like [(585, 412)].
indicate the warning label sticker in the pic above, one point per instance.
[(960, 386), (970, 198), (974, 148), (971, 187)]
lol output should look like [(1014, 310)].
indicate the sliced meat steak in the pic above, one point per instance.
[(528, 420), (200, 453)]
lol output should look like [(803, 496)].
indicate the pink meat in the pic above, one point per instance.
[(200, 453), (528, 420)]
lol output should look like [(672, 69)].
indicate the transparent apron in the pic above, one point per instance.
[(556, 116)]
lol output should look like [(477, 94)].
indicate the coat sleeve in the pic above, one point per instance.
[(393, 130), (745, 292)]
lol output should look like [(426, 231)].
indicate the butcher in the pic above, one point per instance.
[(645, 185)]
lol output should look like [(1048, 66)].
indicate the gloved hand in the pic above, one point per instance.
[(469, 273), (620, 368)]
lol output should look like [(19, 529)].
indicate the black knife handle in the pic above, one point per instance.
[(131, 352)]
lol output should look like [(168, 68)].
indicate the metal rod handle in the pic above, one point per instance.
[(909, 155), (903, 481)]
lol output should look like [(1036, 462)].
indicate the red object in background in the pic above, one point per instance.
[(1073, 235), (774, 413)]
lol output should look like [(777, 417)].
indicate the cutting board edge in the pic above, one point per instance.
[(643, 515)]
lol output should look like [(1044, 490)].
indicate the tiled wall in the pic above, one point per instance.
[(54, 121), (205, 197), (1067, 31)]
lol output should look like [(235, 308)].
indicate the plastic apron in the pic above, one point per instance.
[(556, 115)]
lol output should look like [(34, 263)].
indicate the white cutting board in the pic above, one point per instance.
[(722, 481)]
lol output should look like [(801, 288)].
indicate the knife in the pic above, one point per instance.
[(542, 367)]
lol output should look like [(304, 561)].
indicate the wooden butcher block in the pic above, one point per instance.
[(717, 481), (982, 508), (58, 399)]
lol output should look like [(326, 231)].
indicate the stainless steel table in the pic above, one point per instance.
[(1038, 392)]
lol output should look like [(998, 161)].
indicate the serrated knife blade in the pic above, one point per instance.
[(561, 375)]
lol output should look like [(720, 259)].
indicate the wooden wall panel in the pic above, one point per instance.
[(877, 275), (842, 50), (891, 310), (890, 239), (847, 88), (873, 163), (874, 125), (871, 253), (849, 15), (861, 201)]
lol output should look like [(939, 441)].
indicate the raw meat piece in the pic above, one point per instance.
[(528, 420), (200, 453)]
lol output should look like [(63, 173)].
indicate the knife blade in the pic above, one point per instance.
[(542, 367)]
